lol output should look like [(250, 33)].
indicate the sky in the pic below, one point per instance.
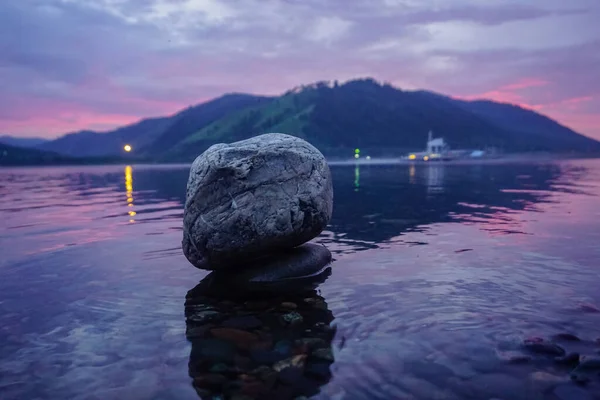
[(68, 65)]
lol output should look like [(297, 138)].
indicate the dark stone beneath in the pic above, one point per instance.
[(297, 269), (305, 260)]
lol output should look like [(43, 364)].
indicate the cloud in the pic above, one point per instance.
[(72, 64)]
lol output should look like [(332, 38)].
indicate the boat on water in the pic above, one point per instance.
[(438, 150)]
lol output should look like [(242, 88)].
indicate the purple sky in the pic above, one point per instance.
[(67, 65)]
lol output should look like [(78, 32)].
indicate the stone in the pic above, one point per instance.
[(291, 318), (313, 343), (579, 377), (266, 357), (283, 347), (543, 347), (246, 199), (290, 375), (289, 305), (209, 380), (241, 339), (589, 363), (545, 377), (570, 359), (239, 396), (319, 371), (296, 362), (253, 388), (214, 350), (519, 359), (219, 368), (568, 337), (590, 308), (303, 261), (203, 317), (325, 354), (242, 322), (201, 331)]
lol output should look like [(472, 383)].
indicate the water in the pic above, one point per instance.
[(440, 272)]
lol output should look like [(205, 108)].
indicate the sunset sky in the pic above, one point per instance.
[(67, 65)]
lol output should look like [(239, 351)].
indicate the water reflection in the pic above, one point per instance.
[(261, 342), (435, 178), (402, 198), (129, 191)]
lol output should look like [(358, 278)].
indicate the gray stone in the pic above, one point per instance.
[(248, 199)]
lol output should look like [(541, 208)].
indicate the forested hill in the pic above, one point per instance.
[(336, 118)]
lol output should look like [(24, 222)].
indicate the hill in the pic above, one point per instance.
[(22, 142), (10, 155), (336, 118), (153, 134), (383, 119)]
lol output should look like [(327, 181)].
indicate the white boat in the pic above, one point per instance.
[(438, 150)]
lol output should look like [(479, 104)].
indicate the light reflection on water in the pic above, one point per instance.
[(440, 271)]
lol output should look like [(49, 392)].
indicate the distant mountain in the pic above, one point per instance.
[(22, 142), (10, 155), (336, 118), (533, 131), (153, 135), (95, 144), (365, 114), (190, 120)]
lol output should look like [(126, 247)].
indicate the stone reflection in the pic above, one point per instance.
[(259, 341)]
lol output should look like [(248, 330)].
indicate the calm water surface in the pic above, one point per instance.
[(441, 271)]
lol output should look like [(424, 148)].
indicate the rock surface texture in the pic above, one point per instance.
[(252, 198)]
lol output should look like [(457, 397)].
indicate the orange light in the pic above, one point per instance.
[(127, 148), (425, 158)]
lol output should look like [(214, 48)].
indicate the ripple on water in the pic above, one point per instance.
[(92, 288)]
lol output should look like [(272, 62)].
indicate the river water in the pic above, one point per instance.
[(440, 273)]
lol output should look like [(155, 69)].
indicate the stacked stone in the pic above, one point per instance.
[(252, 206)]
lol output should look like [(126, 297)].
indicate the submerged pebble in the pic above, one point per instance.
[(519, 359), (569, 359), (568, 337), (209, 380), (589, 363), (543, 347), (289, 305), (324, 354), (291, 318)]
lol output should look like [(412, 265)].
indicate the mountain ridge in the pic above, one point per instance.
[(335, 118), (25, 142)]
